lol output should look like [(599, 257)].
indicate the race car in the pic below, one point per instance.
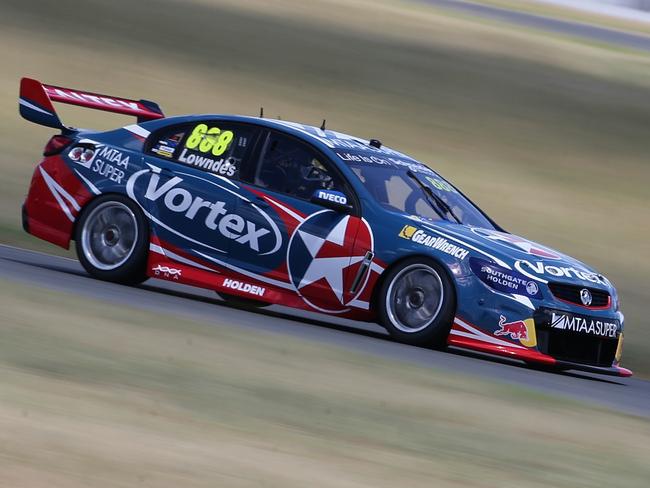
[(267, 211)]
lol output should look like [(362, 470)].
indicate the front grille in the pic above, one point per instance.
[(576, 348), (571, 293), (575, 337)]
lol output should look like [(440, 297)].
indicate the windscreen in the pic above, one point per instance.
[(405, 185)]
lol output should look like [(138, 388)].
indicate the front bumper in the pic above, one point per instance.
[(469, 336), (614, 370)]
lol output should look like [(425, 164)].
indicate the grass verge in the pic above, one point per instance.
[(99, 395)]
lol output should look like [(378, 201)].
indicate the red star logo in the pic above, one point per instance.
[(330, 258)]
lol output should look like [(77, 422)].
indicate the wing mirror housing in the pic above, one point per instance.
[(332, 199)]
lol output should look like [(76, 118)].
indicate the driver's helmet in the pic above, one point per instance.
[(316, 176)]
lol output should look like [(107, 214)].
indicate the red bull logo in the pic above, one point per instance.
[(517, 330)]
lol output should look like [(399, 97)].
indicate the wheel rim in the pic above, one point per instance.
[(414, 298), (109, 235)]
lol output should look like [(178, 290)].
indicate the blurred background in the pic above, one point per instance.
[(546, 131)]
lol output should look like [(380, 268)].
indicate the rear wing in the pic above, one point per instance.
[(35, 103)]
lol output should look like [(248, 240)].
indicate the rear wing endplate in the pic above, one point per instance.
[(35, 103)]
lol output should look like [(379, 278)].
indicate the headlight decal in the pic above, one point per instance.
[(503, 279)]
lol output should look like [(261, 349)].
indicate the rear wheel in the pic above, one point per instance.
[(417, 303), (111, 239)]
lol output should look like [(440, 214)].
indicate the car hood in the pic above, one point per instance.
[(534, 260)]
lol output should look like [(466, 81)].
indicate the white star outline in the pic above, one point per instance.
[(331, 269)]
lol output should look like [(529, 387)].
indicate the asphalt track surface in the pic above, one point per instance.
[(629, 395), (564, 27)]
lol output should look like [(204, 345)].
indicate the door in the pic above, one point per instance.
[(190, 189), (317, 256)]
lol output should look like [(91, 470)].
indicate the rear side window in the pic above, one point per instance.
[(212, 146), (167, 142)]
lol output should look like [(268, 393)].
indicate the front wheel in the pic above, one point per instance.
[(416, 303), (112, 238)]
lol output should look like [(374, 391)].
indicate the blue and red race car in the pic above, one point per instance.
[(274, 212)]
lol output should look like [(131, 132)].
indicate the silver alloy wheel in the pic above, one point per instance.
[(109, 235), (414, 298)]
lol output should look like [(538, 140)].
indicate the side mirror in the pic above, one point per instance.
[(332, 199)]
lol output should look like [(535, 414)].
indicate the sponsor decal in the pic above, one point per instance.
[(166, 147), (538, 270), (209, 140), (584, 325), (225, 167), (164, 151), (214, 215), (407, 232), (327, 268), (362, 158), (243, 287), (332, 196), (517, 243), (504, 280), (519, 330), (440, 184), (532, 288), (434, 242), (112, 155), (345, 143), (166, 272), (107, 170), (388, 161), (104, 160), (89, 97), (82, 155)]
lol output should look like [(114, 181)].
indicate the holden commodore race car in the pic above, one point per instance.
[(273, 212)]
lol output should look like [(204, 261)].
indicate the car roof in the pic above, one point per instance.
[(327, 140)]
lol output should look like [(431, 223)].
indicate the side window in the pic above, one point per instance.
[(167, 142), (212, 146), (292, 167)]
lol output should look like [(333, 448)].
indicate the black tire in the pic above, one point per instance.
[(417, 302), (112, 240), (241, 302)]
